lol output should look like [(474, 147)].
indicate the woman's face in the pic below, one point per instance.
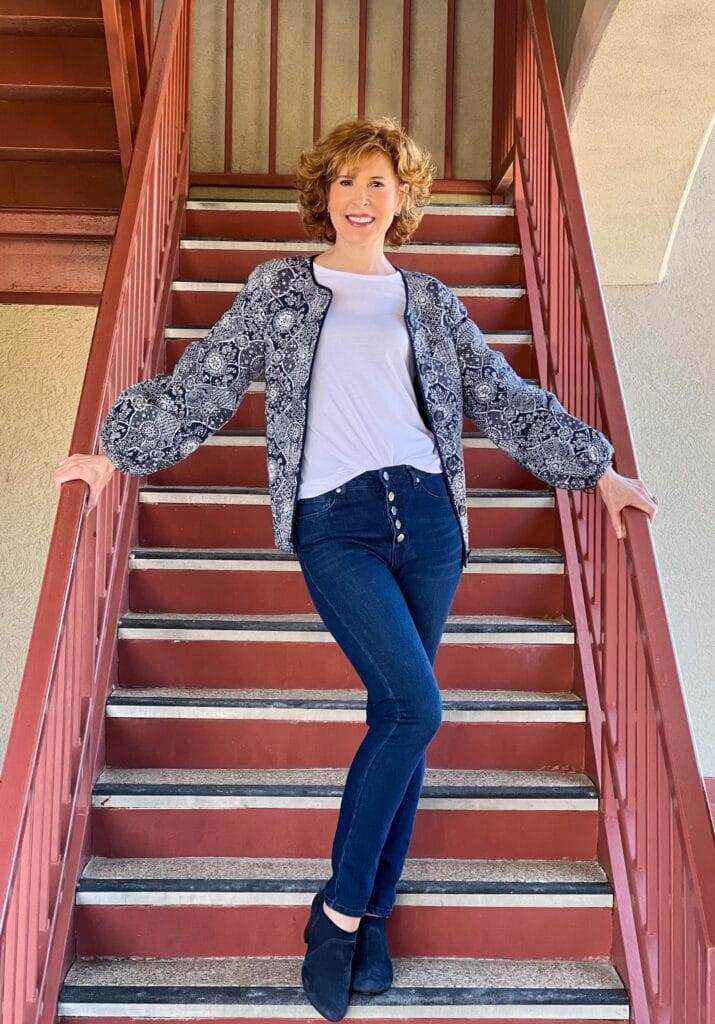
[(373, 190)]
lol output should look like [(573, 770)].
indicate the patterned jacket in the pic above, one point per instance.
[(271, 331)]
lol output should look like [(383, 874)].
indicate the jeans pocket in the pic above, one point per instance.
[(318, 505), (433, 484)]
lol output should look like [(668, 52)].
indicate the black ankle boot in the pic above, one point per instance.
[(372, 966), (327, 967)]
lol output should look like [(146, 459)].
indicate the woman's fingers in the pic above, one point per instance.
[(623, 492), (617, 522), (92, 469)]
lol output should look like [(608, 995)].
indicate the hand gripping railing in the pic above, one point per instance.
[(656, 831), (55, 739)]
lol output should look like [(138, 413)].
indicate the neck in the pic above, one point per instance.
[(362, 261)]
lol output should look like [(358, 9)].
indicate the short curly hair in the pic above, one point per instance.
[(347, 144)]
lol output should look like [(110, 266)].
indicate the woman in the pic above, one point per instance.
[(375, 530)]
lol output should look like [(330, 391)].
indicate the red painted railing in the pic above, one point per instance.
[(657, 833), (128, 34), (55, 740)]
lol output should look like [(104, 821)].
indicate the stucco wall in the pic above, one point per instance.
[(43, 354), (663, 335)]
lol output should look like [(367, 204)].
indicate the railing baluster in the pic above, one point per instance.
[(273, 90), (228, 90)]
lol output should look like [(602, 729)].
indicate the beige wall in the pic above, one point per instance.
[(640, 98), (473, 76), (43, 354), (663, 335)]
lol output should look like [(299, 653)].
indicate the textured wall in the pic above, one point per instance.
[(663, 334), (296, 58), (43, 354)]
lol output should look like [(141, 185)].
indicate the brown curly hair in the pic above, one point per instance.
[(347, 144)]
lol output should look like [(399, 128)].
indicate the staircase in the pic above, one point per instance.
[(235, 716), (59, 148)]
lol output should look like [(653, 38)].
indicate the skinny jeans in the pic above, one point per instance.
[(381, 556)]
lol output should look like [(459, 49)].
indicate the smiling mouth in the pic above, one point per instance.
[(359, 223)]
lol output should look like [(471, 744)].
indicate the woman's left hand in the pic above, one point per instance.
[(619, 491)]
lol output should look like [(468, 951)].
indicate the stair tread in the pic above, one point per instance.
[(254, 432), (301, 244), (491, 209), (303, 875), (428, 981), (455, 779), (172, 330), (489, 492), (328, 698), (507, 555), (312, 622)]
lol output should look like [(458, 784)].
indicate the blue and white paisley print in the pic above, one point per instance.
[(271, 331)]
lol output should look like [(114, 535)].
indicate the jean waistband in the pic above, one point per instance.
[(382, 478)]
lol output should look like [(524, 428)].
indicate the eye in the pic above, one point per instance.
[(342, 180)]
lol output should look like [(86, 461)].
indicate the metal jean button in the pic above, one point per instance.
[(401, 537), (385, 474), (391, 496)]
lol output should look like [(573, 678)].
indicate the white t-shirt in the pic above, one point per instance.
[(362, 407)]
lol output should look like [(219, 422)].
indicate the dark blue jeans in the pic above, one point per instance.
[(382, 557)]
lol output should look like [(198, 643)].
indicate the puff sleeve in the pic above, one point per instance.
[(160, 421), (522, 419)]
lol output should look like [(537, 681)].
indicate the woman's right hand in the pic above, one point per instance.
[(96, 470)]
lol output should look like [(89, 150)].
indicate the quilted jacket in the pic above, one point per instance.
[(271, 331)]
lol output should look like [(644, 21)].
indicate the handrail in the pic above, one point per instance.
[(127, 32), (656, 822), (57, 729)]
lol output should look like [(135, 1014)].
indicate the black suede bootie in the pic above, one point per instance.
[(327, 967), (372, 966)]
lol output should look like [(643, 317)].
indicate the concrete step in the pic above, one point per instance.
[(441, 221), (502, 581), (205, 516), (269, 988), (498, 263), (293, 812), (288, 650), (169, 727), (243, 906)]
